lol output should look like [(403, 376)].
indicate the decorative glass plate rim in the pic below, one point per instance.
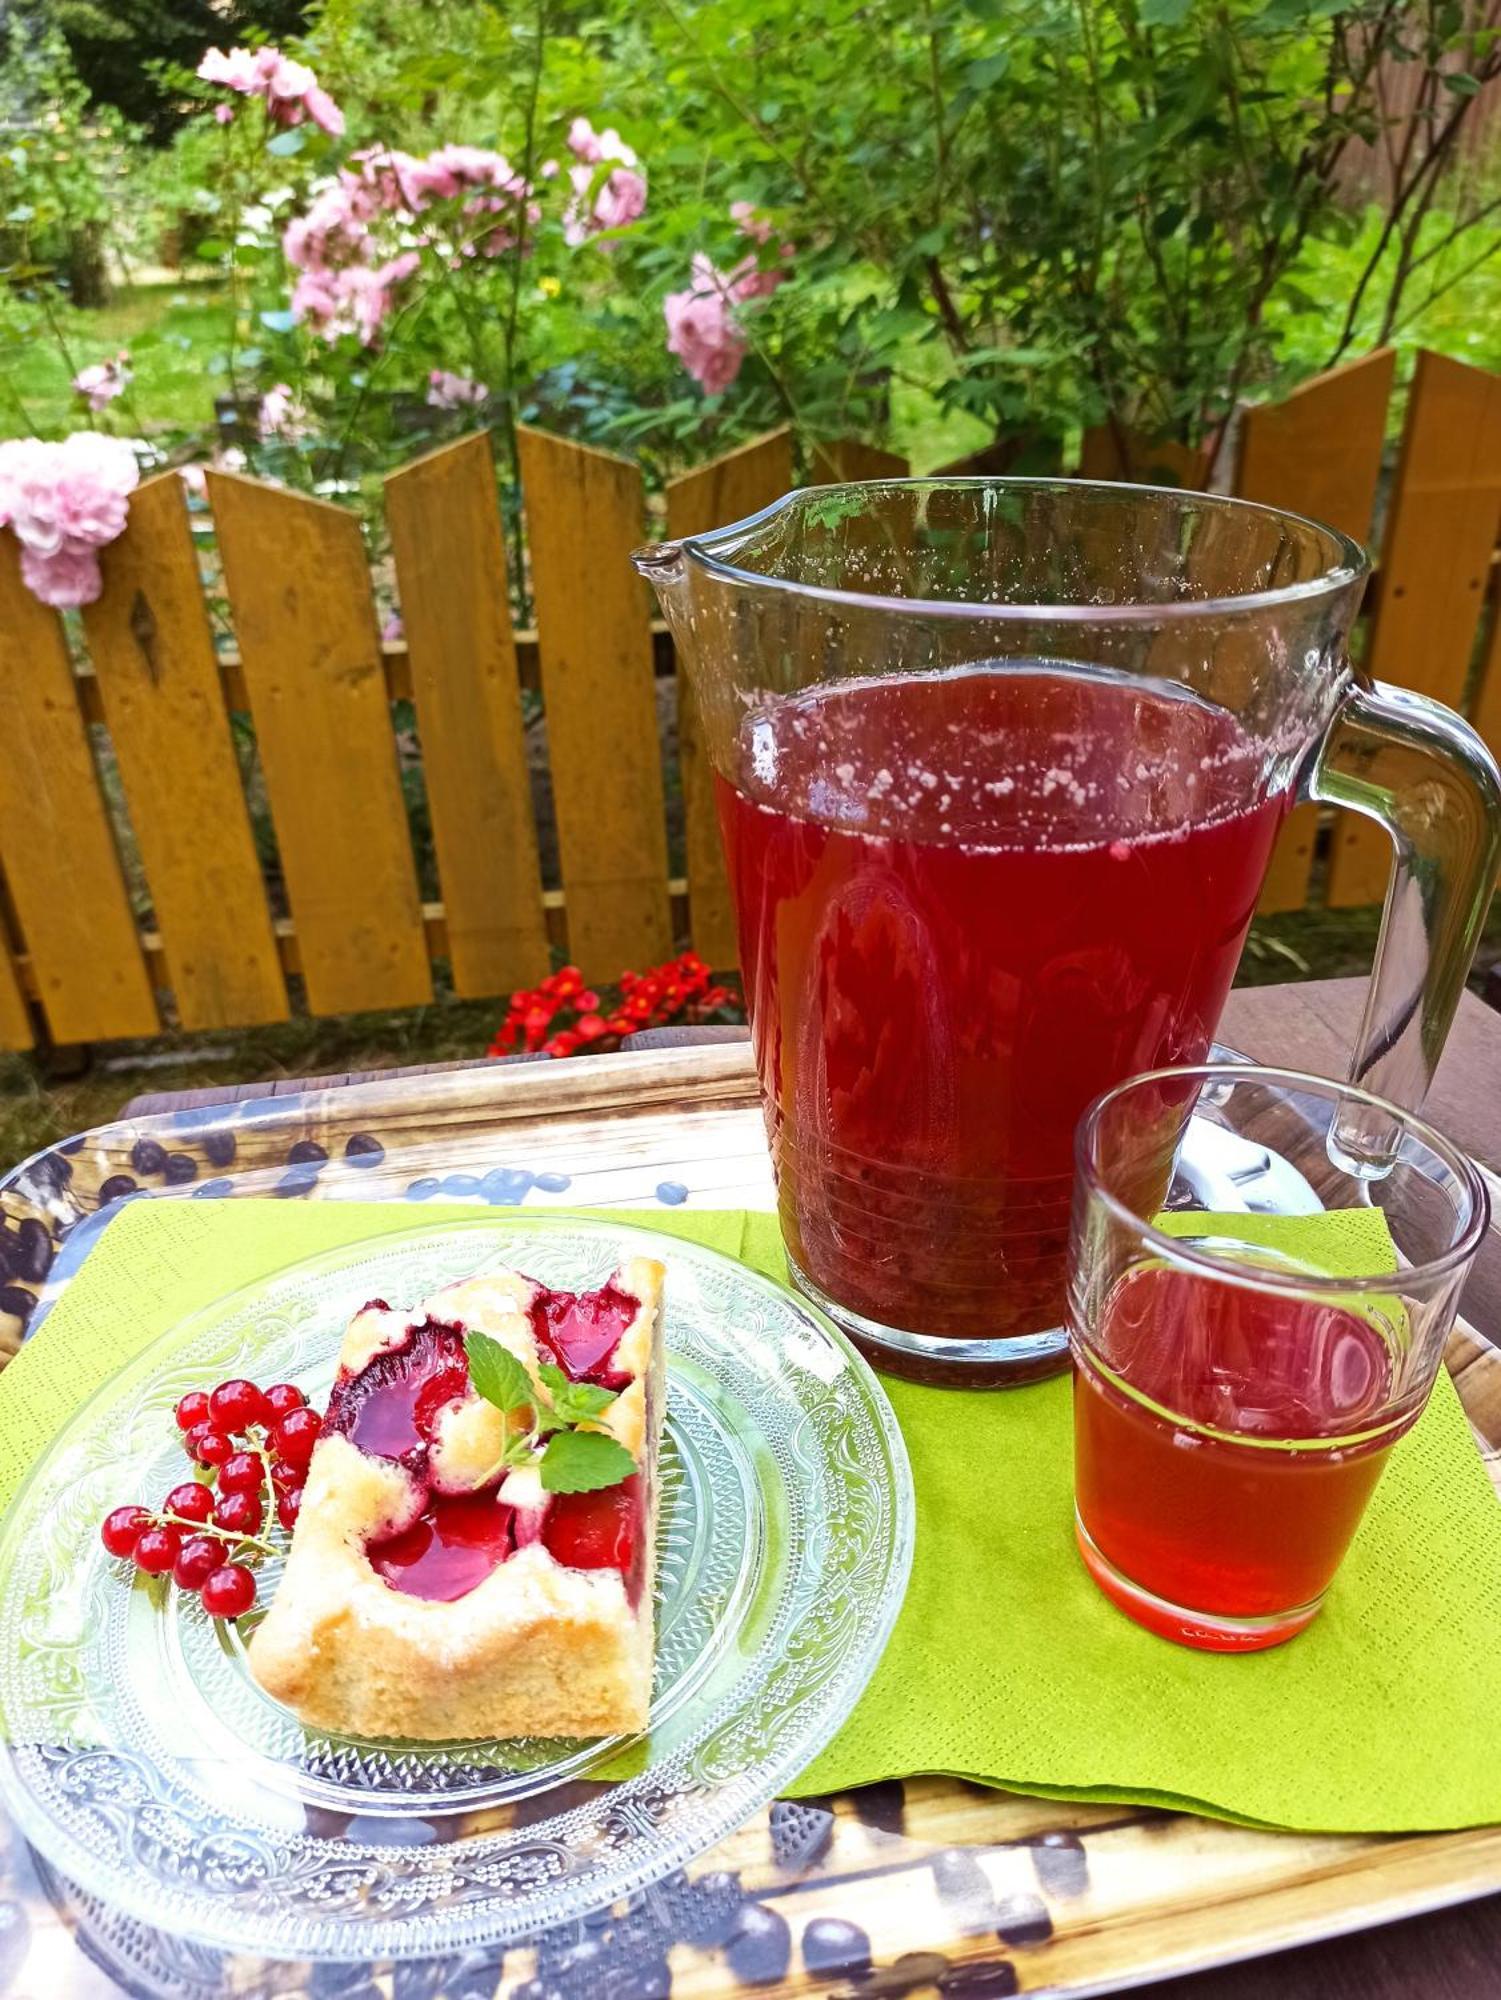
[(738, 1797)]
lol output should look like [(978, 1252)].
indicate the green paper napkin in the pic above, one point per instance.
[(1006, 1665)]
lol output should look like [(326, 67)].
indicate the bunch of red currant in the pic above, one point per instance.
[(254, 1444)]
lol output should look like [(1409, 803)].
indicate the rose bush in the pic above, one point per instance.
[(664, 230)]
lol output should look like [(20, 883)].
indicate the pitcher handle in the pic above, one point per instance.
[(1420, 771)]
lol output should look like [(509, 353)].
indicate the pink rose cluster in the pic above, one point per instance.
[(455, 392), (289, 90), (613, 202), (346, 249), (64, 502), (704, 329), (102, 381)]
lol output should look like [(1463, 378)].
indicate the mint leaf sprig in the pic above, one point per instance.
[(573, 1460)]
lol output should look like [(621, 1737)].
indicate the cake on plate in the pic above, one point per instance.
[(475, 1550)]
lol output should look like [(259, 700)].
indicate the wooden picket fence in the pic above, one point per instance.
[(128, 755)]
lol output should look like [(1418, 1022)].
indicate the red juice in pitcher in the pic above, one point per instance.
[(967, 903), (1248, 1526)]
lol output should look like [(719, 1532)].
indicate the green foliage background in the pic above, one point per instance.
[(1011, 219)]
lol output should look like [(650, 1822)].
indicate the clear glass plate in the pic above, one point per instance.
[(143, 1761)]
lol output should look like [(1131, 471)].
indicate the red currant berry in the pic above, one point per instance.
[(122, 1530), (242, 1473), (284, 1397), (288, 1507), (284, 1477), (240, 1513), (197, 1559), (190, 1500), (296, 1434), (192, 1410), (236, 1406), (229, 1591), (210, 1447), (156, 1551)]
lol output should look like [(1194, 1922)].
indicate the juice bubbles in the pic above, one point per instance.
[(1244, 1527), (966, 904)]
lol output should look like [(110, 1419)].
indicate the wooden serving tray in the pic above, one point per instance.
[(896, 1889)]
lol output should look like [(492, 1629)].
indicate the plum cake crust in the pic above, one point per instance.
[(433, 1591)]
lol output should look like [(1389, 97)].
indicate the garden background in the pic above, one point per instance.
[(311, 241)]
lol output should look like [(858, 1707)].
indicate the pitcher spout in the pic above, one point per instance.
[(665, 567), (662, 563)]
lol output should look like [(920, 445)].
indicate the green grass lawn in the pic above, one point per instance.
[(38, 1108), (175, 335)]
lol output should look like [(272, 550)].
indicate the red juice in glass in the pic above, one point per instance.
[(967, 903), (1250, 1526)]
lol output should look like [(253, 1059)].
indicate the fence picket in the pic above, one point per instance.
[(1106, 453), (163, 703), (837, 460), (443, 512), (1440, 533), (725, 490), (60, 858), (1486, 710), (584, 514), (1318, 452), (299, 592)]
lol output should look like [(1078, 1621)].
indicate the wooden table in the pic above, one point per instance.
[(926, 1888)]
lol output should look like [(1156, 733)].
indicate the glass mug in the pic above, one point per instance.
[(999, 766)]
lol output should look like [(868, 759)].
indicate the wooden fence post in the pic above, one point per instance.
[(1486, 709), (835, 461), (163, 701), (714, 496), (1108, 454), (60, 857), (1318, 452), (444, 516), (585, 512), (299, 593), (1435, 565)]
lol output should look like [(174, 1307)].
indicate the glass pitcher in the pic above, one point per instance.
[(999, 768)]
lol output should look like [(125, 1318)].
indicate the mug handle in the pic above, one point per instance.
[(1420, 771)]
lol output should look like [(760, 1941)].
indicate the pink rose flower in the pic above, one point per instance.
[(618, 200), (701, 330), (622, 199), (64, 580), (102, 381), (582, 142), (454, 392), (749, 279), (64, 502), (276, 407), (746, 220), (324, 113), (289, 90), (234, 68), (280, 414)]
